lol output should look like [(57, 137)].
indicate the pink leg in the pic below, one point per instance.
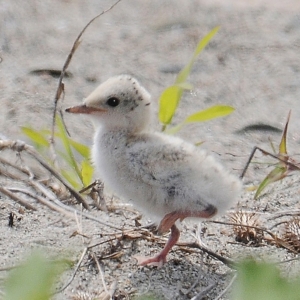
[(169, 219), (161, 258), (168, 223)]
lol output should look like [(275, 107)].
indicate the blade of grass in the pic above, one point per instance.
[(171, 96), (69, 176), (67, 146), (276, 174), (38, 137), (82, 149), (212, 112), (282, 145), (184, 73)]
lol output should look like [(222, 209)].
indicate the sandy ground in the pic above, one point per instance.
[(253, 64)]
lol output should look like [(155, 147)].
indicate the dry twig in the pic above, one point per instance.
[(16, 198), (74, 273), (20, 146), (292, 165)]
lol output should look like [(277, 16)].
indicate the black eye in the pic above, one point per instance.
[(113, 101)]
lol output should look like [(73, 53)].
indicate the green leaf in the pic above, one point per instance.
[(65, 158), (168, 103), (33, 280), (276, 174), (204, 42), (86, 172), (38, 137), (185, 86), (171, 96), (212, 112), (82, 149), (262, 281), (282, 145), (67, 146), (185, 72), (73, 180), (215, 111)]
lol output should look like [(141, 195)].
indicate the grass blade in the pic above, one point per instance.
[(212, 112), (36, 136), (282, 145), (171, 96), (276, 174), (82, 149), (185, 72), (67, 146)]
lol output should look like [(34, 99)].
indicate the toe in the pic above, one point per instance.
[(156, 261)]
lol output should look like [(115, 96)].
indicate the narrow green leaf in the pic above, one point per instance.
[(65, 158), (272, 146), (203, 115), (203, 43), (185, 85), (82, 149), (38, 137), (67, 146), (212, 112), (171, 96), (168, 103), (276, 174), (185, 72), (87, 171), (69, 176), (282, 145), (199, 143)]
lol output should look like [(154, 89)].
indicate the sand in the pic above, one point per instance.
[(252, 64)]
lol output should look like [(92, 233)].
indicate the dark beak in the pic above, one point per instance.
[(83, 109)]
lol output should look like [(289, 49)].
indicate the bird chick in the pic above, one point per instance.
[(164, 176)]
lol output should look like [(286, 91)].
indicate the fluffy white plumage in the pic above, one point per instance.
[(164, 176)]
